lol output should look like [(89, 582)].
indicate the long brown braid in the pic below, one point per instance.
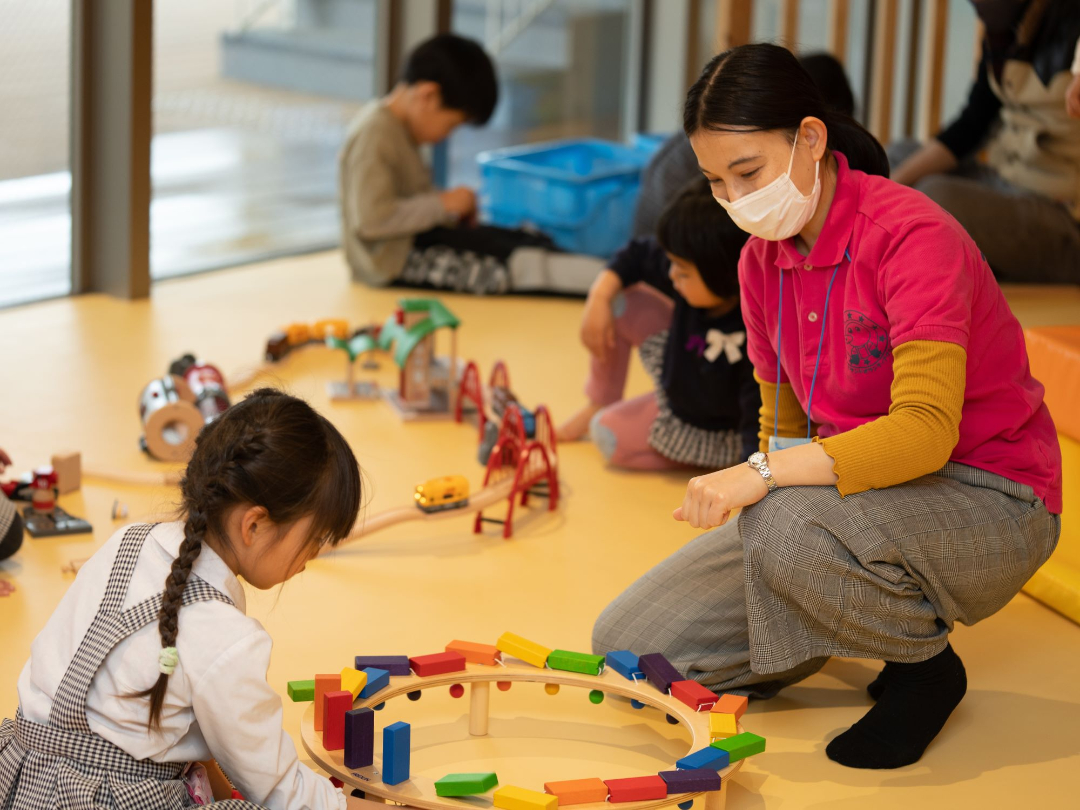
[(270, 450)]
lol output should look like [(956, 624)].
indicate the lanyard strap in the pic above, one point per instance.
[(817, 362)]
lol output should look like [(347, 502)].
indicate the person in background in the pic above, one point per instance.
[(674, 164), (11, 525), (1020, 201), (675, 297), (398, 228)]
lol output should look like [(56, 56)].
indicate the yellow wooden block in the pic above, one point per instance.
[(528, 651), (353, 680), (722, 725), (515, 798)]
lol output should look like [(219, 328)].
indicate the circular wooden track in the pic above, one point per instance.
[(419, 790)]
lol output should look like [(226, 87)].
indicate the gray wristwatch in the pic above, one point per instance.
[(760, 462)]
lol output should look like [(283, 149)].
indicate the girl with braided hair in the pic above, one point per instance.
[(130, 681)]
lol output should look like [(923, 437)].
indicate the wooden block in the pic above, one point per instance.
[(659, 671), (516, 798), (693, 694), (576, 662), (353, 681), (396, 750), (528, 651), (625, 663), (335, 704), (712, 758), (731, 704), (698, 779), (723, 725), (465, 784), (323, 684), (68, 469), (394, 664), (474, 653), (636, 789), (377, 680), (578, 791), (359, 738), (741, 746), (301, 691), (437, 664)]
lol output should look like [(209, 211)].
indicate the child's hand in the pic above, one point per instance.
[(598, 329), (1072, 98), (461, 201), (5, 460)]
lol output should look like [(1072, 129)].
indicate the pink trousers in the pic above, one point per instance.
[(621, 428)]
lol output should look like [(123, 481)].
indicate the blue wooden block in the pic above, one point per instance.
[(705, 758), (359, 738), (659, 671), (394, 664), (396, 740), (625, 663), (377, 679)]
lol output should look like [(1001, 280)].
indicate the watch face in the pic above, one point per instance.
[(757, 458)]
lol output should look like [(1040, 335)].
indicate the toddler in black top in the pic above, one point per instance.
[(675, 298)]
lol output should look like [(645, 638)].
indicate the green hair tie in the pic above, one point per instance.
[(167, 660)]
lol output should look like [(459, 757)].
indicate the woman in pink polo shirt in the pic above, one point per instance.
[(909, 474)]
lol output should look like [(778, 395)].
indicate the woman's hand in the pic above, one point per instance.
[(5, 460), (711, 498)]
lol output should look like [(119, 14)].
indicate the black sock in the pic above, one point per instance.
[(907, 716), (878, 685)]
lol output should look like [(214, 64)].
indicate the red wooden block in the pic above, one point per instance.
[(437, 663), (324, 684), (731, 704), (636, 789), (693, 694), (335, 704)]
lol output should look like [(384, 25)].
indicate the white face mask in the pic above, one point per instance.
[(779, 210)]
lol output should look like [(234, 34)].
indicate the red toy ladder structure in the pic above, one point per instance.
[(531, 463)]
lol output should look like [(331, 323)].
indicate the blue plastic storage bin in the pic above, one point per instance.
[(650, 142), (582, 193)]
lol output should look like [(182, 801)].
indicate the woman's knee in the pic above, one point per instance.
[(13, 538)]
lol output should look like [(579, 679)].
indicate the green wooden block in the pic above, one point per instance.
[(741, 746), (576, 662), (299, 691), (465, 784)]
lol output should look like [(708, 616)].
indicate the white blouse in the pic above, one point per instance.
[(218, 704)]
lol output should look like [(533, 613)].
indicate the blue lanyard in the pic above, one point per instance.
[(821, 342)]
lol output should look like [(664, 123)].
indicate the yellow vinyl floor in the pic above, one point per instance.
[(71, 377)]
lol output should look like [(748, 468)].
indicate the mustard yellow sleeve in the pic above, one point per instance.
[(922, 427), (791, 418)]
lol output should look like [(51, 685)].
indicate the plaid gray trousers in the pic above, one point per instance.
[(804, 574)]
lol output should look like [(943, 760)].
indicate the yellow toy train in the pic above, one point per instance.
[(446, 492)]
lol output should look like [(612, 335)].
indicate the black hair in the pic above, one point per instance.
[(694, 227), (763, 87), (464, 73), (270, 450), (829, 76)]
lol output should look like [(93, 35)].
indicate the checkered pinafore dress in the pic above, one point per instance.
[(63, 764)]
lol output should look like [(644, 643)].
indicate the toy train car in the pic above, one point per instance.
[(438, 494), (296, 335)]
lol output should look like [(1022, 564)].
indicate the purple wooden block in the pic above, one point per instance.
[(692, 781), (394, 664), (359, 738), (659, 671)]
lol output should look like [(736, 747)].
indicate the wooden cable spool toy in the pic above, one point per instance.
[(174, 408)]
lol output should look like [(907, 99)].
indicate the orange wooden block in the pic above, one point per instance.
[(578, 791), (476, 653), (731, 704), (324, 684)]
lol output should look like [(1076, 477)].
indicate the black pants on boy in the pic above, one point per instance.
[(13, 538), (467, 259)]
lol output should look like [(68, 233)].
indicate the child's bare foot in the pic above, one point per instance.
[(577, 426)]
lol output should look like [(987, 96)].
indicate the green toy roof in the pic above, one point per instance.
[(405, 340)]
